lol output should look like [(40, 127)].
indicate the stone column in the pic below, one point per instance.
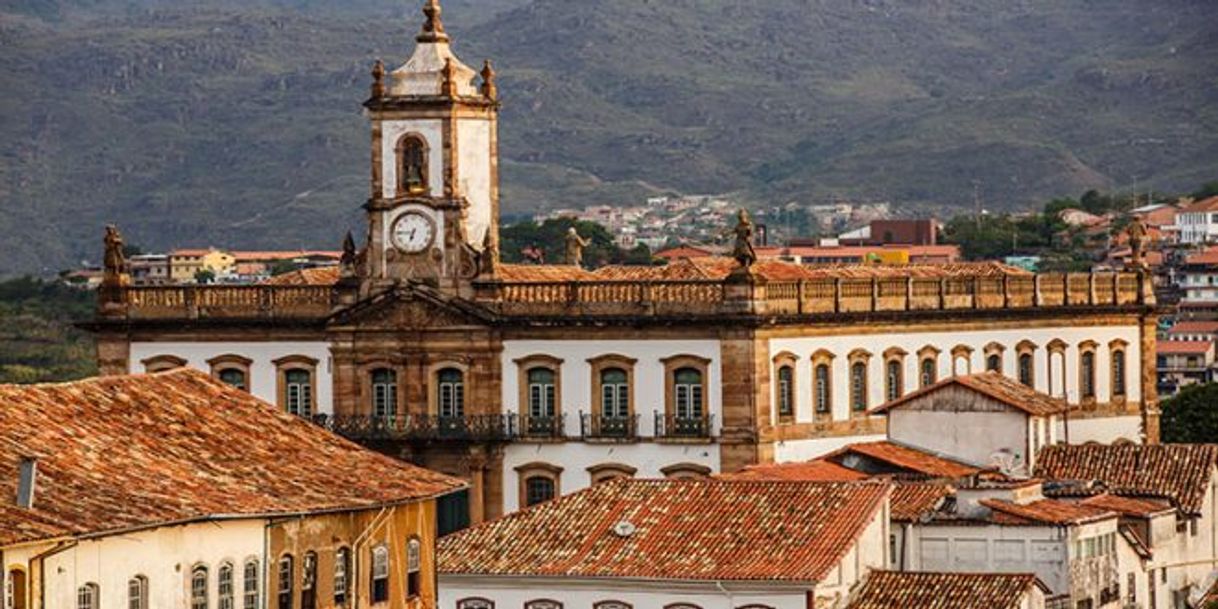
[(113, 354), (747, 434)]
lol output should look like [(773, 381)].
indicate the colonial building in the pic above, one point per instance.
[(653, 544), (175, 490), (534, 381)]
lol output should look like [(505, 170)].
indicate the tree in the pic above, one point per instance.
[(1192, 415), (1207, 190), (205, 276), (551, 237)]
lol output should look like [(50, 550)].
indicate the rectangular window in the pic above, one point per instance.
[(413, 568), (1132, 589), (249, 597)]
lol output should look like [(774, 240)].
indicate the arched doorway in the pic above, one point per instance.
[(14, 589)]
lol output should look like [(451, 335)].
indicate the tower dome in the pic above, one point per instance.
[(433, 69)]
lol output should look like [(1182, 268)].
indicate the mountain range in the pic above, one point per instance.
[(238, 123)]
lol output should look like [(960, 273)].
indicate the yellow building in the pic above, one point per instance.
[(184, 265)]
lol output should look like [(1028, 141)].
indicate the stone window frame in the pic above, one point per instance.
[(786, 359), (536, 469), (462, 366), (609, 361), (853, 359), (678, 362), (529, 362), (822, 357), (1114, 347), (232, 361), (604, 472), (475, 602), (994, 349), (162, 363), (399, 148), (686, 471), (1085, 348), (413, 570), (1057, 346), (890, 356), (1028, 348), (929, 352), (964, 352), (367, 369), (612, 604), (543, 603), (288, 363)]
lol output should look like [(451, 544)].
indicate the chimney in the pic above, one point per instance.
[(27, 482)]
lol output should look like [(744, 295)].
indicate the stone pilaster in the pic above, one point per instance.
[(113, 354), (1148, 375), (746, 428)]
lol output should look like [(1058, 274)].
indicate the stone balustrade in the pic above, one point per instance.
[(220, 302)]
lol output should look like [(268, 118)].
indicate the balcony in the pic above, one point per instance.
[(410, 427), (671, 427), (601, 428), (542, 428)]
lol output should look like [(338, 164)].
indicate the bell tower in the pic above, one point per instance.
[(433, 214)]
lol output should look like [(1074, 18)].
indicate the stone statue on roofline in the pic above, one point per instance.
[(575, 247), (743, 251), (114, 261), (1137, 234), (347, 264)]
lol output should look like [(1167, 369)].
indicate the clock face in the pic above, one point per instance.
[(413, 232)]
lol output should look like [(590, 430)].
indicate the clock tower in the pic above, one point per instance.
[(433, 214)]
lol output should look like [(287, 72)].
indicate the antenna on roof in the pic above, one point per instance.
[(26, 482)]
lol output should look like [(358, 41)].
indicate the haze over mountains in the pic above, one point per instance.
[(238, 123)]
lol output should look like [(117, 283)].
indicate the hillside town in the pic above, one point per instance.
[(871, 412)]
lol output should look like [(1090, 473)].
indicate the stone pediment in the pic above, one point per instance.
[(411, 307)]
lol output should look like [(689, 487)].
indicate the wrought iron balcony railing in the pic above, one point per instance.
[(672, 426), (599, 427), (542, 428), (467, 428)]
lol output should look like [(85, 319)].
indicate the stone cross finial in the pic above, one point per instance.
[(378, 79), (743, 251), (489, 89), (433, 28)]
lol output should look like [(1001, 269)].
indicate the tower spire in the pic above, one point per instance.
[(433, 28)]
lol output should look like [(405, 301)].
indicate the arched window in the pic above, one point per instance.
[(786, 387), (682, 606), (538, 489), (233, 377), (687, 393), (993, 362), (893, 381), (450, 384), (475, 603), (858, 386), (232, 370), (1118, 373), (611, 605), (249, 595), (287, 573), (308, 581), (414, 568), (615, 393), (1025, 369), (610, 471), (412, 165), (342, 577), (541, 392), (224, 582), (962, 360), (822, 382), (929, 372), (198, 587), (686, 471), (543, 604), (380, 574), (1087, 370), (87, 596), (384, 392), (163, 363), (137, 593)]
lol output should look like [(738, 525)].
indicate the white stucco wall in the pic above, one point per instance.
[(992, 549), (165, 556), (973, 437), (876, 344), (786, 451), (514, 592), (474, 175), (263, 379), (392, 131), (1104, 430)]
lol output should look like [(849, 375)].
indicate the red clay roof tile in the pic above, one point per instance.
[(1129, 506), (910, 502), (810, 471), (683, 530), (1179, 472), (1048, 511), (325, 275), (994, 385), (913, 590), (130, 452), (906, 458)]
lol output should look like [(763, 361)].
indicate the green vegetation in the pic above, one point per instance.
[(1192, 415), (37, 340), (236, 123), (550, 238)]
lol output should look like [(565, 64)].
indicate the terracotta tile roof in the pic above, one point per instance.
[(994, 385), (1129, 506), (911, 502), (683, 530), (1183, 347), (1047, 511), (544, 273), (1195, 327), (818, 470), (1207, 257), (1179, 472), (324, 275), (905, 458), (1204, 205), (129, 452), (913, 590), (284, 255)]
